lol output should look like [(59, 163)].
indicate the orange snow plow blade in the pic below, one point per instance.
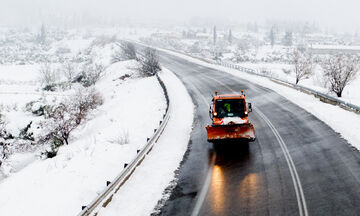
[(231, 132)]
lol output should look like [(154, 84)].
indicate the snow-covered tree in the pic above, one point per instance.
[(127, 51), (149, 64), (272, 36), (288, 39), (214, 35), (230, 37), (65, 117), (340, 70), (303, 64), (41, 38)]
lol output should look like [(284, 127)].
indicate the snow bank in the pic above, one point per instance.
[(344, 122), (61, 185), (236, 120), (141, 193)]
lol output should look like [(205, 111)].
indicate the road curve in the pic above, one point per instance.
[(297, 166)]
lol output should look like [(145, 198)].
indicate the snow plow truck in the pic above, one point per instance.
[(229, 115)]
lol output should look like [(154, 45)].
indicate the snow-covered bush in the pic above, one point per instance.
[(340, 70), (91, 73), (26, 133), (149, 64), (37, 108), (127, 51), (122, 138), (65, 117), (4, 150), (266, 72), (4, 134)]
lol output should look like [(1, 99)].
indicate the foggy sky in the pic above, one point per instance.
[(342, 15)]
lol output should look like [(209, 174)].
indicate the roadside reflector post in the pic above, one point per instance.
[(137, 151), (147, 139), (107, 183), (125, 165)]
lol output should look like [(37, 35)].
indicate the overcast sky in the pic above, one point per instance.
[(342, 15)]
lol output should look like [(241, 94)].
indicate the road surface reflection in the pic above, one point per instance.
[(233, 184)]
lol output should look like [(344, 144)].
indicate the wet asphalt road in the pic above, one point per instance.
[(315, 173)]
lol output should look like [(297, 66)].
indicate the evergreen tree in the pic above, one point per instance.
[(230, 37), (272, 36), (215, 36), (42, 35), (288, 39)]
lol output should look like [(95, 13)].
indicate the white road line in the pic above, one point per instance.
[(294, 175), (205, 188)]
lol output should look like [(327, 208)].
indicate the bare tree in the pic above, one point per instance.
[(67, 116), (47, 74), (127, 51), (303, 65), (149, 63), (340, 70), (69, 70)]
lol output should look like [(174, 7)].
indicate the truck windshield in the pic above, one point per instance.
[(230, 108)]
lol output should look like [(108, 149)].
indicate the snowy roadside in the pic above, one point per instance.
[(140, 195), (316, 81), (344, 122), (61, 185)]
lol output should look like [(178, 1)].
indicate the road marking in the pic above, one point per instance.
[(294, 175), (205, 188)]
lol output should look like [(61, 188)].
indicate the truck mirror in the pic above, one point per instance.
[(249, 107)]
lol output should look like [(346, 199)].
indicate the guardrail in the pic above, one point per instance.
[(105, 197), (323, 97)]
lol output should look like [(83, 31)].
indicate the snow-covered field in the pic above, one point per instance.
[(61, 185), (332, 115)]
